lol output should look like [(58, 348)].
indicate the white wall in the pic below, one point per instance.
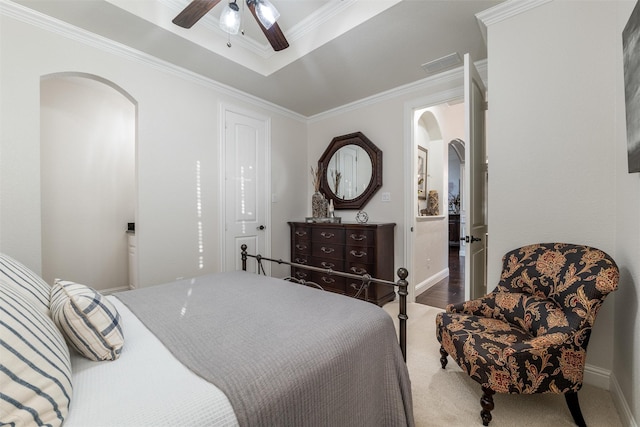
[(557, 158), (177, 126), (382, 120)]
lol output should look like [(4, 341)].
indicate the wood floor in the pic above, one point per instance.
[(449, 290)]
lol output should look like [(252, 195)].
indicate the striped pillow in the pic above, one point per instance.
[(35, 371), (25, 281), (89, 322)]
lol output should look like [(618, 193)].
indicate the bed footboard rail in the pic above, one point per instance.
[(401, 284)]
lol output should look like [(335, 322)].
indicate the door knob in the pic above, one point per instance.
[(262, 227)]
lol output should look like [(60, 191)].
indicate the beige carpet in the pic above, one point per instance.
[(450, 398)]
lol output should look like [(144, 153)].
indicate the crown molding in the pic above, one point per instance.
[(454, 77), (503, 11), (45, 22), (328, 11)]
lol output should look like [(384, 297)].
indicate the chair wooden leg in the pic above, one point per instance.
[(443, 357), (487, 405), (574, 408)]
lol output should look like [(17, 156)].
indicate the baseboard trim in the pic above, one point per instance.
[(626, 416), (432, 280), (598, 377), (604, 378)]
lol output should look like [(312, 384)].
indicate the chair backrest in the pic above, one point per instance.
[(576, 277)]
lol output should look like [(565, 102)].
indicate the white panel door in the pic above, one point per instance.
[(475, 176), (246, 188)]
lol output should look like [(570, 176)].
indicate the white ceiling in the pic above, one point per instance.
[(340, 51)]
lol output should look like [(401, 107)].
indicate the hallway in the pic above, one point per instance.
[(449, 290)]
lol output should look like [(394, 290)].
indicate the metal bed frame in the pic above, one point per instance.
[(366, 280)]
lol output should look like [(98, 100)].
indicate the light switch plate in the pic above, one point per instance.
[(385, 197)]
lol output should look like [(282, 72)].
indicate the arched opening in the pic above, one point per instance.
[(88, 185)]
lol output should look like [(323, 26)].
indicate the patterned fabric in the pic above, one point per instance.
[(25, 281), (89, 322), (530, 334), (35, 371)]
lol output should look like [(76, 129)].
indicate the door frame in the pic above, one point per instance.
[(455, 81), (410, 152), (224, 108)]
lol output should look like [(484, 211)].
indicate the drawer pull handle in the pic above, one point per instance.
[(301, 247), (328, 279), (301, 233), (358, 237), (327, 235), (327, 250), (327, 264), (357, 270), (300, 275), (301, 261), (358, 254)]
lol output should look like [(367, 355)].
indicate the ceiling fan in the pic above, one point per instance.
[(198, 8)]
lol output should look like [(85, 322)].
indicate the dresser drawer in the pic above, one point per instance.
[(375, 291), (329, 282), (301, 259), (300, 273), (302, 233), (334, 264), (359, 238), (328, 235), (302, 247), (327, 250), (360, 269), (352, 286), (364, 254)]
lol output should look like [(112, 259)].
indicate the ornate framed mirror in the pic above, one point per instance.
[(351, 171)]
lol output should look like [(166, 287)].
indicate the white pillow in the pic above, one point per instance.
[(28, 283), (35, 371), (89, 322)]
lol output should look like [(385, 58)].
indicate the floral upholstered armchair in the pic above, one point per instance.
[(530, 334)]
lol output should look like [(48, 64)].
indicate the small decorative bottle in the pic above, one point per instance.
[(331, 209)]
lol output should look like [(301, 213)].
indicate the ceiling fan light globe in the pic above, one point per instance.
[(230, 19), (267, 13)]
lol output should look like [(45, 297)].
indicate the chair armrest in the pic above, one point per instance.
[(476, 307)]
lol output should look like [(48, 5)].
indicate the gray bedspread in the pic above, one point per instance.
[(284, 354)]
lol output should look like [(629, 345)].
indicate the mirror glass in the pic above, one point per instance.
[(351, 169), (349, 172)]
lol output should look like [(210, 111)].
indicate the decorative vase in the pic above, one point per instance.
[(318, 205), (433, 207)]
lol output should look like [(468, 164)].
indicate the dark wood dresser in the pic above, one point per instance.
[(352, 248)]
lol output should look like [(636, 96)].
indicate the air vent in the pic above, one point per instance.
[(442, 64)]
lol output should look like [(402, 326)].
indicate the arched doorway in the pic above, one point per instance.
[(88, 190)]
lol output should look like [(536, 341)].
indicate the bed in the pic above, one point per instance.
[(226, 349)]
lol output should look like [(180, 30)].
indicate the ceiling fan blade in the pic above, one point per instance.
[(192, 13), (274, 34)]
